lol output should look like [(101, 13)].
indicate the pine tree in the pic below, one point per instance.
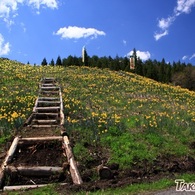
[(59, 61), (52, 63), (44, 62)]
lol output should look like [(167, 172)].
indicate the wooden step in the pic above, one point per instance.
[(48, 98), (43, 126), (48, 85), (50, 103), (38, 171), (50, 88), (46, 115), (47, 109), (49, 79), (42, 122), (49, 92), (26, 187)]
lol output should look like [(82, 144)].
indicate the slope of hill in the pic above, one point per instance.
[(138, 127)]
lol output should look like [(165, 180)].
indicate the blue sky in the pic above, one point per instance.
[(33, 29)]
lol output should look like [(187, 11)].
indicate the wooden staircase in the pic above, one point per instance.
[(47, 115)]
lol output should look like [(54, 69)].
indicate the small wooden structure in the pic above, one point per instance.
[(47, 113), (132, 63)]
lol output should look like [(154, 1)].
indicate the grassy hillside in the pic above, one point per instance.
[(119, 117)]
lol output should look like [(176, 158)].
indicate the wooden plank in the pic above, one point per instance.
[(48, 98), (41, 171), (51, 109), (36, 103), (73, 166), (44, 121), (48, 102), (49, 92), (61, 109), (46, 114), (52, 138), (35, 140), (43, 126), (30, 118), (25, 187), (11, 151), (48, 108), (48, 88), (8, 159), (48, 84)]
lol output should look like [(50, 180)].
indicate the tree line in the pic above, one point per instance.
[(177, 73)]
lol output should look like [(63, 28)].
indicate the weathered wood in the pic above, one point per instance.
[(36, 103), (51, 109), (61, 110), (48, 102), (30, 118), (48, 98), (29, 139), (38, 140), (11, 151), (37, 121), (8, 159), (48, 85), (73, 166), (48, 108), (61, 118), (43, 126), (49, 92), (48, 79), (50, 88), (46, 114), (22, 187), (41, 171)]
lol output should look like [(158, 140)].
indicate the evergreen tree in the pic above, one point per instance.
[(59, 61), (69, 60), (139, 67), (93, 61), (44, 62), (125, 63), (52, 63)]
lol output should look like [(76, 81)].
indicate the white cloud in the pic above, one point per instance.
[(193, 56), (4, 47), (48, 3), (164, 23), (74, 32), (158, 36), (184, 57), (183, 6), (188, 57), (124, 42), (143, 55), (8, 8)]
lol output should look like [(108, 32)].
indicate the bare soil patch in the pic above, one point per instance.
[(40, 132), (47, 153)]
